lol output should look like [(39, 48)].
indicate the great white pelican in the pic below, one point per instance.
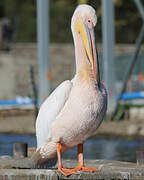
[(76, 108)]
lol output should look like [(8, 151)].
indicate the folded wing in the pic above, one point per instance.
[(49, 110)]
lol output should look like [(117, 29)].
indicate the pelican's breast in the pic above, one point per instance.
[(81, 114)]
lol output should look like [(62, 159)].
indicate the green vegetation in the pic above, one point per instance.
[(23, 14)]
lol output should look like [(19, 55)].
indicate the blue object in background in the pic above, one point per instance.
[(18, 101), (132, 95), (28, 101)]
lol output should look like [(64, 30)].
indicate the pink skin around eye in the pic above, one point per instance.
[(89, 24)]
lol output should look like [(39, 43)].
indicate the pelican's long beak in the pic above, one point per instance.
[(90, 47)]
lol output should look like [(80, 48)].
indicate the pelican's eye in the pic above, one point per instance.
[(89, 24)]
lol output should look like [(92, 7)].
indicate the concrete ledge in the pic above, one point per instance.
[(33, 174), (11, 169), (24, 124)]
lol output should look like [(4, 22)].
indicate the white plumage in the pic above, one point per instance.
[(49, 111)]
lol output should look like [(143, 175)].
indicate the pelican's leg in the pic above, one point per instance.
[(64, 171), (81, 166)]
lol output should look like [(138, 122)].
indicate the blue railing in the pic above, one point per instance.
[(18, 101), (28, 101), (132, 95)]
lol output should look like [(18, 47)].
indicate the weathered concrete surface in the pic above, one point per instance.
[(28, 175), (11, 169)]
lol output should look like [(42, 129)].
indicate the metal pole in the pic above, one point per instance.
[(43, 48), (140, 8), (108, 50)]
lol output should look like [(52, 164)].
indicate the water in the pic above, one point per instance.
[(7, 140), (94, 148)]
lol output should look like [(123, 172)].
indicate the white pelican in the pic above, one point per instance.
[(76, 108)]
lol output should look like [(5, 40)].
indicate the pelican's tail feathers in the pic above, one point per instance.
[(45, 157)]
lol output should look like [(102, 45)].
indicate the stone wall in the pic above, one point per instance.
[(7, 76), (14, 68)]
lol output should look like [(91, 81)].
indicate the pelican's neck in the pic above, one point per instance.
[(80, 54), (83, 67)]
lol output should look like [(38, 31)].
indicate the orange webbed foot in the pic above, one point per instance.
[(89, 169), (86, 169), (67, 172)]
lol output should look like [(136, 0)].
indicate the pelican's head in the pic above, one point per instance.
[(83, 23)]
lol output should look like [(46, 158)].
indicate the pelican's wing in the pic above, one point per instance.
[(49, 110)]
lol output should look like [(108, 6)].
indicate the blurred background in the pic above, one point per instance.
[(19, 71), (18, 37), (21, 19)]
